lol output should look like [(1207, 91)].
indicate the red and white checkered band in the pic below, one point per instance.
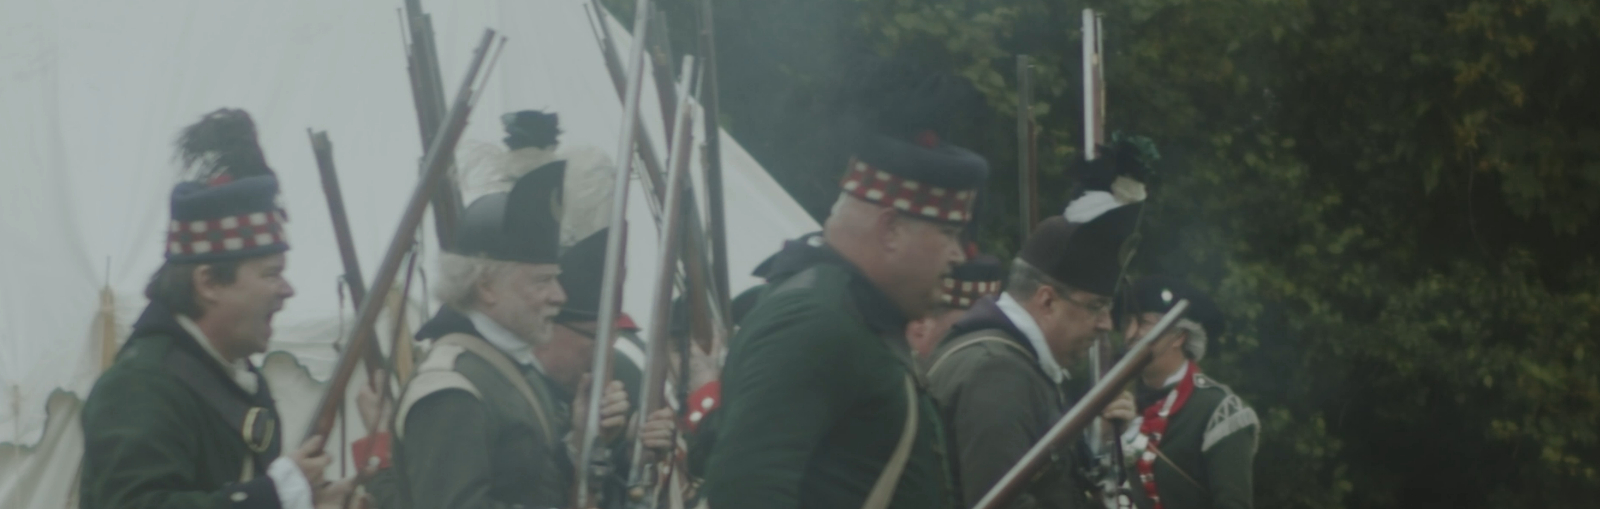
[(224, 234), (962, 294), (883, 188)]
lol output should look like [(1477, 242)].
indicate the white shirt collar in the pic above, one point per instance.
[(504, 339), (1025, 323), (238, 371), (1176, 376)]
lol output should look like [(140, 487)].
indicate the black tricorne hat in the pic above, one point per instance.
[(972, 281), (1088, 256), (531, 128), (1157, 294), (228, 208), (583, 271), (523, 225)]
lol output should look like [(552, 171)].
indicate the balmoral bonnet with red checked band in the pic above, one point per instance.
[(228, 208), (972, 281)]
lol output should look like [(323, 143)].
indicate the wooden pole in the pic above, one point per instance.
[(1027, 178)]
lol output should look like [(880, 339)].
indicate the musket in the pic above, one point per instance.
[(1027, 153), (427, 93), (691, 281), (323, 149), (660, 52), (701, 292), (651, 395), (717, 223), (611, 282), (1071, 425), (435, 163), (1105, 447)]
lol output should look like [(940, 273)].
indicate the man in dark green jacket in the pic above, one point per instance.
[(821, 402), (1000, 375), (485, 423), (1192, 442), (183, 419)]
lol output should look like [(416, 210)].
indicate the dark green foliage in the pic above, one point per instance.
[(1395, 202)]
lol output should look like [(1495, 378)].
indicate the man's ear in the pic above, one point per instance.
[(888, 225), (205, 283), (1176, 341), (483, 292), (1044, 296), (916, 328)]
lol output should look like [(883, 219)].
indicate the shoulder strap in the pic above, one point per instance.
[(257, 425), (1180, 470), (429, 382), (509, 371), (883, 490), (973, 341)]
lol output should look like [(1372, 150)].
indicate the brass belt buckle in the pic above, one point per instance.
[(263, 418)]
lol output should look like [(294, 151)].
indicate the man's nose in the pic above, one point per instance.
[(1102, 322), (559, 296)]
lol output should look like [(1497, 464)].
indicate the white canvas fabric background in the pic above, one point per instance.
[(92, 94)]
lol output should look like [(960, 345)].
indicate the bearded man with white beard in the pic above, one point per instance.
[(480, 424)]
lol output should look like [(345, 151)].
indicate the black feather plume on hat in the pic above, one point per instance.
[(531, 128), (221, 147)]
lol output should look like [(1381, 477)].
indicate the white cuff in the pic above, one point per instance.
[(294, 491)]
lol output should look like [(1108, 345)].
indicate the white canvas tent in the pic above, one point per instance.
[(92, 94)]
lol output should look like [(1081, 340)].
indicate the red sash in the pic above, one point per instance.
[(1155, 424)]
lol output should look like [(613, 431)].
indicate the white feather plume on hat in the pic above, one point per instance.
[(589, 183)]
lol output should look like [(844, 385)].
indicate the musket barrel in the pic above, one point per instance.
[(709, 102), (1088, 409), (650, 394), (322, 148), (435, 163), (611, 282)]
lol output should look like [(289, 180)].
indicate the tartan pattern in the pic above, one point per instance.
[(864, 181), (226, 234), (962, 294)]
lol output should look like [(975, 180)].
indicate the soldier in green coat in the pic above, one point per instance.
[(483, 424), (183, 419), (822, 406), (1191, 443), (1001, 375)]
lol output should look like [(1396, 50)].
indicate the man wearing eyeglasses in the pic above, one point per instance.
[(999, 375)]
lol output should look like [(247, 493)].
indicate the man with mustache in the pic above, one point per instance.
[(1190, 441), (183, 419), (483, 423), (999, 375)]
